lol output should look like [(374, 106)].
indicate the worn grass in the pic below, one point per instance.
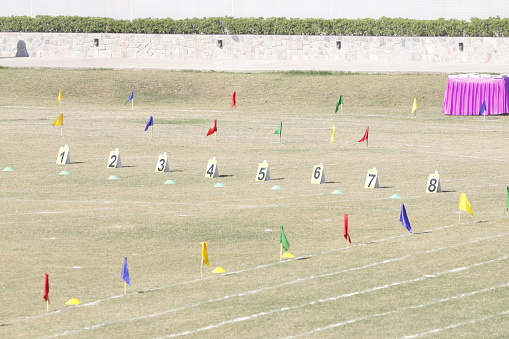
[(447, 277)]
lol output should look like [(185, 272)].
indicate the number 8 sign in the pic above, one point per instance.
[(433, 185)]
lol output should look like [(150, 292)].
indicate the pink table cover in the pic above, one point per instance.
[(464, 96)]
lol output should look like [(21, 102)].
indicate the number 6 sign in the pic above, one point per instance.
[(318, 176)]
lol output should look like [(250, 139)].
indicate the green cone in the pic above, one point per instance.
[(112, 177), (218, 185), (336, 192), (169, 182), (275, 187), (8, 169)]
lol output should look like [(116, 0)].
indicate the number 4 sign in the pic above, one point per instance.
[(212, 171), (372, 179), (318, 176), (263, 173), (433, 185), (162, 163), (63, 156), (114, 159)]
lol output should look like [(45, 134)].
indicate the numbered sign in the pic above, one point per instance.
[(263, 173), (318, 176), (114, 159), (63, 156), (162, 163), (433, 185), (212, 171), (372, 179)]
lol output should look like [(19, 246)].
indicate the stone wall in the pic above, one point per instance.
[(256, 47)]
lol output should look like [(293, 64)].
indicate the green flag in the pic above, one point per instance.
[(339, 102), (278, 131), (284, 242), (507, 198)]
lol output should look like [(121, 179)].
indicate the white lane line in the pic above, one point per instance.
[(329, 299), (471, 321), (403, 309), (268, 287)]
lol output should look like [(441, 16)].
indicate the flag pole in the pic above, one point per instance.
[(280, 252), (47, 306), (201, 268), (152, 132), (125, 287), (132, 104), (61, 129), (341, 106), (459, 217)]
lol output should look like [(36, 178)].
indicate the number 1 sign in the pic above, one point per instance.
[(63, 156)]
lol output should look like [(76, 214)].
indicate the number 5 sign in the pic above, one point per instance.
[(63, 156), (318, 176), (433, 185), (114, 159), (263, 173), (162, 163), (372, 179)]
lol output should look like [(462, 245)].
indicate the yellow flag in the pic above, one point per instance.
[(204, 254), (333, 136), (59, 121), (414, 106), (464, 205), (59, 98)]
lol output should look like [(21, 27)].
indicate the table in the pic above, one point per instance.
[(465, 94)]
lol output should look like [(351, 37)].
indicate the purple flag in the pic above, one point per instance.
[(125, 272), (404, 219), (150, 122)]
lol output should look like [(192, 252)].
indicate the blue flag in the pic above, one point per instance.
[(483, 108), (150, 122), (125, 272), (404, 219), (131, 97)]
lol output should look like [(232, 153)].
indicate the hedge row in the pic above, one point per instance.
[(492, 27)]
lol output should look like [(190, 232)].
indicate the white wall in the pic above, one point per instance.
[(327, 9)]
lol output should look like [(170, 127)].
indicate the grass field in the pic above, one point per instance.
[(445, 280)]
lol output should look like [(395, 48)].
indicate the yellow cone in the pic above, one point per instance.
[(73, 301), (288, 255), (218, 270)]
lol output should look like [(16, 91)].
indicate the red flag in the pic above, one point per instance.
[(45, 291), (365, 137), (234, 99), (212, 128), (346, 235)]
